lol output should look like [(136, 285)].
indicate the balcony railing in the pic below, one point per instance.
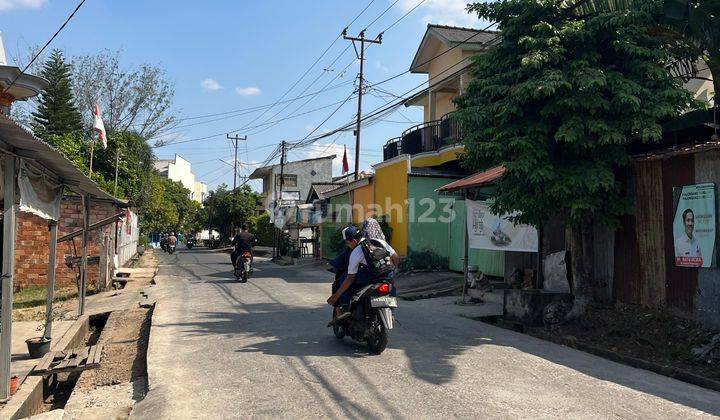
[(426, 137)]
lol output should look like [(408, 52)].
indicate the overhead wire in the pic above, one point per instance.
[(52, 38)]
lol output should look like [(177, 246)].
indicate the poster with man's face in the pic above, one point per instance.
[(694, 225)]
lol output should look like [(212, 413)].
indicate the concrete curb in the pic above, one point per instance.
[(668, 371), (29, 397)]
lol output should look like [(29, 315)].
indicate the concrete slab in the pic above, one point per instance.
[(50, 415)]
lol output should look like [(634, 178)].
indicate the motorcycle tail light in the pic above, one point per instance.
[(383, 289)]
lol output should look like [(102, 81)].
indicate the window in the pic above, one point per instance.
[(288, 180)]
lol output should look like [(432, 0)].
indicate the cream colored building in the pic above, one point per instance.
[(180, 170)]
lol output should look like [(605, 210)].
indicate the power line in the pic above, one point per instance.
[(306, 71), (171, 143), (250, 110), (44, 46)]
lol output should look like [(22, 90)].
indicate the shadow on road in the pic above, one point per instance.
[(431, 340)]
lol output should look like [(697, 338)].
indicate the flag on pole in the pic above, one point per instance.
[(346, 165), (99, 126)]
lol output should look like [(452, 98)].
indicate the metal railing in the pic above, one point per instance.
[(425, 137)]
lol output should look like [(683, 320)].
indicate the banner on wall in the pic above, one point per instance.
[(694, 225), (490, 231)]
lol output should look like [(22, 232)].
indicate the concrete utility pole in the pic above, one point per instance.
[(278, 195), (361, 56), (236, 140)]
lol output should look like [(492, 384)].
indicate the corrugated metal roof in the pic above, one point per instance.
[(474, 181), (21, 142)]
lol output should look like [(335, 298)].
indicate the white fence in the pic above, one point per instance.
[(128, 234)]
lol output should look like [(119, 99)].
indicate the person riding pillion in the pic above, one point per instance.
[(358, 271)]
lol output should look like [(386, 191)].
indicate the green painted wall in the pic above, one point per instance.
[(333, 224), (442, 243), (428, 238)]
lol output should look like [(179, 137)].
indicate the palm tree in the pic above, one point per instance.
[(697, 22)]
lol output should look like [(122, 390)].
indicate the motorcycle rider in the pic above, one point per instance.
[(355, 270), (171, 240), (243, 242)]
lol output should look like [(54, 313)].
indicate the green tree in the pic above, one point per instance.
[(695, 21), (135, 164), (557, 102), (56, 113), (158, 214), (226, 208)]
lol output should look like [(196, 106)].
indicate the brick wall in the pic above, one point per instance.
[(32, 243)]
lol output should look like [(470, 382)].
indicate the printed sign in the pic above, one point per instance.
[(694, 225), (489, 231)]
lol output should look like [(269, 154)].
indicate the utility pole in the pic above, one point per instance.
[(278, 196), (361, 56), (236, 140)]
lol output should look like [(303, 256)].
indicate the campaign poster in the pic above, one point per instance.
[(694, 225), (490, 231)]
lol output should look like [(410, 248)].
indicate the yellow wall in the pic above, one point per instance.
[(437, 158), (444, 62), (364, 197), (391, 184)]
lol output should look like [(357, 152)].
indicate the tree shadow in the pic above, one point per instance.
[(432, 341)]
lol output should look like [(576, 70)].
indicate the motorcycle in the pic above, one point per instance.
[(371, 316), (170, 249), (242, 267), (190, 243)]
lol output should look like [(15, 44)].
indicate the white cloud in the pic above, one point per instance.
[(381, 67), (6, 5), (443, 12), (248, 91), (210, 85), (327, 149)]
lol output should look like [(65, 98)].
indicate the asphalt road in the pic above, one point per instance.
[(221, 349)]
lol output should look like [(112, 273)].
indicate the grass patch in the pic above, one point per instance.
[(36, 295)]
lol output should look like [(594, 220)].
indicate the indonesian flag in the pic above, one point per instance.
[(99, 126), (346, 165)]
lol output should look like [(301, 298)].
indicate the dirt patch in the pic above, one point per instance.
[(111, 390), (641, 333), (125, 340)]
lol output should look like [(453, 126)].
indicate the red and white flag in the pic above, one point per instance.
[(99, 126), (346, 165)]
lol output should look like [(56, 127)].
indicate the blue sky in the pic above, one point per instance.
[(228, 55)]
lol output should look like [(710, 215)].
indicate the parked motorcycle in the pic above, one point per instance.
[(371, 316), (242, 267)]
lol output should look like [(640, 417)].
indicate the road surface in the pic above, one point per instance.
[(221, 349)]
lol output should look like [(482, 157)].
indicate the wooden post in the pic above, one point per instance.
[(86, 239), (8, 266), (52, 254)]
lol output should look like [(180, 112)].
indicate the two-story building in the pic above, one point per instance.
[(425, 157), (298, 178)]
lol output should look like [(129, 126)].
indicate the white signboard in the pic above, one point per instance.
[(489, 231)]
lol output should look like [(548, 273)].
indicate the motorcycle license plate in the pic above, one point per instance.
[(383, 302)]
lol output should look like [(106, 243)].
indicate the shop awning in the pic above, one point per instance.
[(474, 181)]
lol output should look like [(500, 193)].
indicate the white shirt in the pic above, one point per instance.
[(686, 247), (357, 257)]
